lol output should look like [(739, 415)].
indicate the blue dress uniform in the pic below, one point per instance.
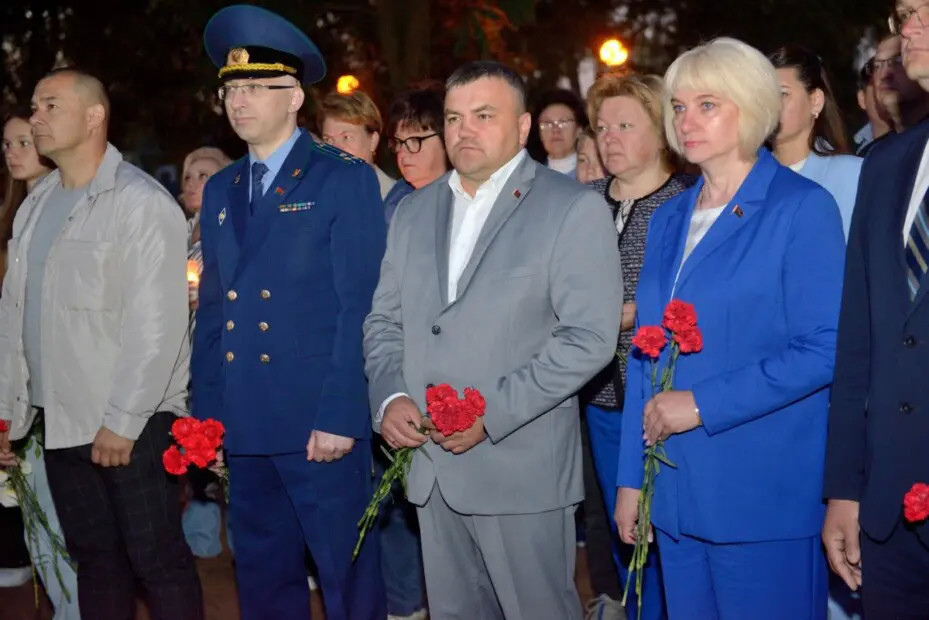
[(288, 277)]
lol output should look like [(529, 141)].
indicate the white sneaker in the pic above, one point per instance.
[(416, 615), (604, 608)]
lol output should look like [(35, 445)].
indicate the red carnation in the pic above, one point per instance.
[(679, 316), (4, 426), (650, 340), (690, 340), (174, 462), (201, 457), (212, 431), (184, 428), (916, 503), (476, 400)]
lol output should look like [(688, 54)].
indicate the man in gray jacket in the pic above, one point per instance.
[(503, 276), (93, 322)]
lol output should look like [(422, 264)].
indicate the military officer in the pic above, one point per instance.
[(292, 235)]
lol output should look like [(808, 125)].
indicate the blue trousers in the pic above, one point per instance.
[(763, 581), (401, 553), (281, 505), (605, 431)]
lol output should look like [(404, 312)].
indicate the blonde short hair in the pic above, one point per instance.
[(648, 90), (356, 108), (206, 152), (735, 71)]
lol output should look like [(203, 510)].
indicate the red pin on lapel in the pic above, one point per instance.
[(517, 193), (737, 210), (279, 191)]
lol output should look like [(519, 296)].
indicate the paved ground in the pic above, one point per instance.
[(219, 593)]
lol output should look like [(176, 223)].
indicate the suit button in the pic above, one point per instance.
[(230, 356), (265, 294), (230, 325), (909, 342), (436, 330), (231, 295), (906, 408), (265, 358), (263, 326)]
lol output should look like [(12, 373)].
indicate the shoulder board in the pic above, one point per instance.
[(336, 153)]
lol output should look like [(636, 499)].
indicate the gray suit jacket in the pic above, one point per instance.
[(537, 315)]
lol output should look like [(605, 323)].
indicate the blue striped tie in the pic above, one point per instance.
[(258, 172), (917, 247)]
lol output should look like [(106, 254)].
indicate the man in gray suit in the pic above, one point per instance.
[(504, 276)]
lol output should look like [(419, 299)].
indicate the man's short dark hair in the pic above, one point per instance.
[(475, 70), (420, 106)]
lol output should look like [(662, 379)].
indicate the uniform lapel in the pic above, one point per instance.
[(513, 193), (288, 178), (443, 231), (233, 221)]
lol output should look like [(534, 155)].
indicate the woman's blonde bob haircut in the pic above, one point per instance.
[(733, 70)]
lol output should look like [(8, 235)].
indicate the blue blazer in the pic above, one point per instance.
[(839, 175), (766, 282), (879, 415), (283, 295)]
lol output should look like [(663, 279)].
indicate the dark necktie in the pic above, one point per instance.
[(917, 247), (258, 172)]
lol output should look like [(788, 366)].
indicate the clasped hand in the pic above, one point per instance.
[(669, 413), (402, 422)]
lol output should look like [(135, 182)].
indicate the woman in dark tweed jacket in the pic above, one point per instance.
[(626, 115)]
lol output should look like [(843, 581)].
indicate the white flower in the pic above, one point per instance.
[(8, 497), (25, 467)]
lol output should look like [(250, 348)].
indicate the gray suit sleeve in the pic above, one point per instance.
[(383, 330), (585, 289)]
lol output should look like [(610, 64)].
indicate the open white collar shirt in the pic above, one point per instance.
[(469, 214)]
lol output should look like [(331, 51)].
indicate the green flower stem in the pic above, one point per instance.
[(654, 456), (399, 467)]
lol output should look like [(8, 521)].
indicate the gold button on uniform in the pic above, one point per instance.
[(230, 325), (263, 326), (231, 295), (265, 294), (230, 356), (265, 358)]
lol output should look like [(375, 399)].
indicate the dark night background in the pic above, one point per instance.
[(149, 52)]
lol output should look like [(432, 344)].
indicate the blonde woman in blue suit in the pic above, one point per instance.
[(811, 138)]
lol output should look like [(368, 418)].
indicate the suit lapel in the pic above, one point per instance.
[(513, 193), (443, 231), (287, 179), (746, 203), (909, 173), (676, 228)]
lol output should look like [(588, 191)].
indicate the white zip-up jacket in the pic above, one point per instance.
[(114, 345)]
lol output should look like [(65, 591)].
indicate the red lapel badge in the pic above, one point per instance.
[(279, 191), (517, 193), (738, 211)]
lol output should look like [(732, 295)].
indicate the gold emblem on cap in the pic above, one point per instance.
[(237, 56)]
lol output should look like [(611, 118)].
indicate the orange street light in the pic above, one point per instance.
[(613, 53), (347, 84)]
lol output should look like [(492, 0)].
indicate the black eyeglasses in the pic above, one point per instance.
[(873, 65), (413, 144), (250, 90)]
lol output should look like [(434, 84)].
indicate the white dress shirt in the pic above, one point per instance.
[(920, 186), (469, 214)]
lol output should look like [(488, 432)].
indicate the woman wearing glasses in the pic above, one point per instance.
[(414, 127), (559, 118), (811, 137)]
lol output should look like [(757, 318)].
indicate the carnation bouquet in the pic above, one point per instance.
[(449, 414)]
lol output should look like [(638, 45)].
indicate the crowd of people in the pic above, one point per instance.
[(308, 301)]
